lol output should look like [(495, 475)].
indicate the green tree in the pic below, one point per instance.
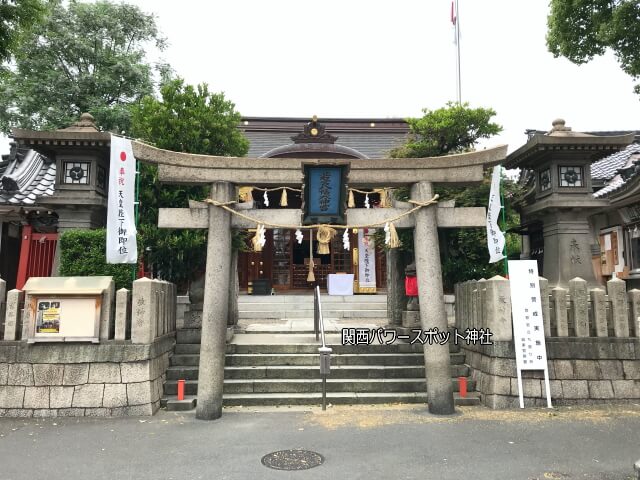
[(452, 129), (582, 29), (185, 119), (16, 17), (448, 130), (84, 57)]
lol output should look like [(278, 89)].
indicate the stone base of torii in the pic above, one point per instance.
[(225, 174)]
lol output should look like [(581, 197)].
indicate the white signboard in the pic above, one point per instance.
[(495, 237), (64, 319), (528, 325), (121, 227), (366, 260)]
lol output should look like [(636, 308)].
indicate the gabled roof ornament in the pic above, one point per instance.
[(314, 132)]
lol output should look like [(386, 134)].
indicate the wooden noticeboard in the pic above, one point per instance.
[(64, 318)]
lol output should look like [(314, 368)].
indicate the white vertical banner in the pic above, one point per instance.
[(121, 226), (528, 325), (366, 258), (495, 238)]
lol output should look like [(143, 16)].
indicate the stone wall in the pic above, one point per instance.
[(110, 379), (593, 349), (122, 375), (585, 371)]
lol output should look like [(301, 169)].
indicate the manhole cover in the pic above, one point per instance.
[(292, 460)]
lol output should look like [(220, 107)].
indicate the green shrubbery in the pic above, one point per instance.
[(83, 253)]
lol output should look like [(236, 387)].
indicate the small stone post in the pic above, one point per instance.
[(634, 306), (12, 327), (431, 295), (616, 289), (482, 306), (546, 311), (144, 311), (122, 314), (559, 299), (498, 300), (599, 308), (580, 306), (216, 306), (3, 304)]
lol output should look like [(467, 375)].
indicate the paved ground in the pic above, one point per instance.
[(368, 442)]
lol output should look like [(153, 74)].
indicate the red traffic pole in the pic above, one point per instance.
[(462, 382), (181, 389)]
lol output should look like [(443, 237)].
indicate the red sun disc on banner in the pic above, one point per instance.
[(123, 156)]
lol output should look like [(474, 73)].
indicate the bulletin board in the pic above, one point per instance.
[(64, 318)]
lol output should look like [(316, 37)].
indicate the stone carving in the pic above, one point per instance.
[(575, 252)]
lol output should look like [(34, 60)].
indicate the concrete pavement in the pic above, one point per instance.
[(361, 442)]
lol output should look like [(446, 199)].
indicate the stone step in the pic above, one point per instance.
[(248, 359), (334, 398), (308, 307), (312, 348), (384, 385), (304, 313), (308, 299), (313, 372)]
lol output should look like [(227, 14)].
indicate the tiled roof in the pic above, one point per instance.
[(26, 176), (607, 167), (372, 137), (372, 145)]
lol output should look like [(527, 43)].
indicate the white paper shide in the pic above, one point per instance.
[(121, 227)]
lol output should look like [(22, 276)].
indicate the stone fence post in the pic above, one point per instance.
[(498, 308), (599, 309), (579, 306), (143, 311), (559, 306), (13, 317), (3, 305), (634, 307), (123, 320), (616, 289)]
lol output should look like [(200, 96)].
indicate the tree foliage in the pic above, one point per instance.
[(583, 29), (16, 17), (185, 119), (448, 130), (452, 129), (82, 254), (84, 57)]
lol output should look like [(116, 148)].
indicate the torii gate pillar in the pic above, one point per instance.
[(432, 312), (216, 306)]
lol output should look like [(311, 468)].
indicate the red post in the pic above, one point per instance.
[(462, 382), (23, 263), (180, 389)]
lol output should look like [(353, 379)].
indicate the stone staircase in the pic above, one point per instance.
[(271, 368), (266, 307)]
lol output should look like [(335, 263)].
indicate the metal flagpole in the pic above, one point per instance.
[(457, 39)]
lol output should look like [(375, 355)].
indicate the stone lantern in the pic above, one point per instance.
[(559, 201)]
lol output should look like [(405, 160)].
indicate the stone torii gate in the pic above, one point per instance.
[(225, 174)]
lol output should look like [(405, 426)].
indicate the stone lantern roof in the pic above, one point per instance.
[(562, 141)]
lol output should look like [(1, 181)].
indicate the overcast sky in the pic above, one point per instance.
[(356, 58)]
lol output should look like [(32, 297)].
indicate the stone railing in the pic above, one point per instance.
[(567, 312), (593, 349), (122, 375)]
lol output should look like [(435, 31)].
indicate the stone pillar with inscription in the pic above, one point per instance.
[(216, 306), (567, 248), (432, 310)]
